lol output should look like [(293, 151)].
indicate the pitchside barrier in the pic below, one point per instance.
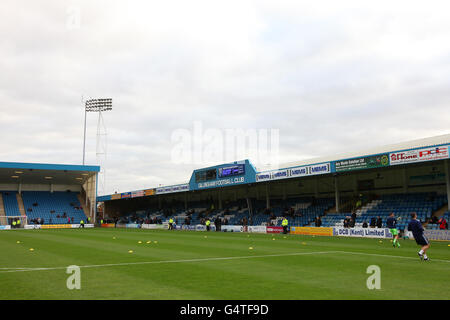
[(257, 229), (132, 225), (108, 225), (443, 235), (312, 231), (274, 229), (56, 226), (152, 226), (231, 228), (362, 232)]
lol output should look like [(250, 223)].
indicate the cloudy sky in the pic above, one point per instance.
[(330, 78)]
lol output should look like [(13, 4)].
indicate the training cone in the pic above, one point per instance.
[(250, 248), (31, 249), (155, 241), (139, 241), (114, 238), (18, 242), (149, 242), (130, 251)]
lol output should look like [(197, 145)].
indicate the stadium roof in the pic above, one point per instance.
[(315, 166), (413, 144), (40, 173)]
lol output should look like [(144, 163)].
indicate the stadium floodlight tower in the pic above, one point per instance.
[(99, 106)]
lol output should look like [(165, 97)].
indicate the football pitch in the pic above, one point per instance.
[(160, 264)]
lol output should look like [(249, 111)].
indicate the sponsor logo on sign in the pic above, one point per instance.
[(231, 228), (312, 231), (257, 229), (263, 176), (427, 154), (108, 225), (279, 174), (294, 172), (137, 194), (219, 183), (274, 229), (299, 172), (362, 232), (172, 189), (323, 168), (363, 163)]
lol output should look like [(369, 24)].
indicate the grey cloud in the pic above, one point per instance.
[(331, 79)]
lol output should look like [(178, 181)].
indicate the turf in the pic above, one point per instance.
[(184, 265)]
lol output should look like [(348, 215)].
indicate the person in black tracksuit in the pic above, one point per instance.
[(415, 226)]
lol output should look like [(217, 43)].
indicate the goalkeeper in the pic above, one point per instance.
[(391, 223)]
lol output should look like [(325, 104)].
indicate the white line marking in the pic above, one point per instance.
[(172, 261), (389, 256), (9, 270), (14, 268)]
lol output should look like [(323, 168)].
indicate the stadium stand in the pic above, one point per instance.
[(302, 211), (48, 206), (424, 204), (10, 203)]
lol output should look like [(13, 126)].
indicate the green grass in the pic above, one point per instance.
[(301, 267)]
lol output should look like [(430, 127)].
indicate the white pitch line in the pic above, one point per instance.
[(389, 256), (9, 270), (14, 268), (172, 261)]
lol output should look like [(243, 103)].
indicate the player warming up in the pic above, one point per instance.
[(391, 223), (415, 226)]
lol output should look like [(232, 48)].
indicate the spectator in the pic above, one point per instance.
[(379, 222), (352, 223), (346, 222), (318, 222), (443, 224), (373, 222), (364, 224), (434, 220)]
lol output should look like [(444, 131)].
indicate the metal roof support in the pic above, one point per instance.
[(316, 188), (220, 199), (447, 180), (405, 180), (337, 195)]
